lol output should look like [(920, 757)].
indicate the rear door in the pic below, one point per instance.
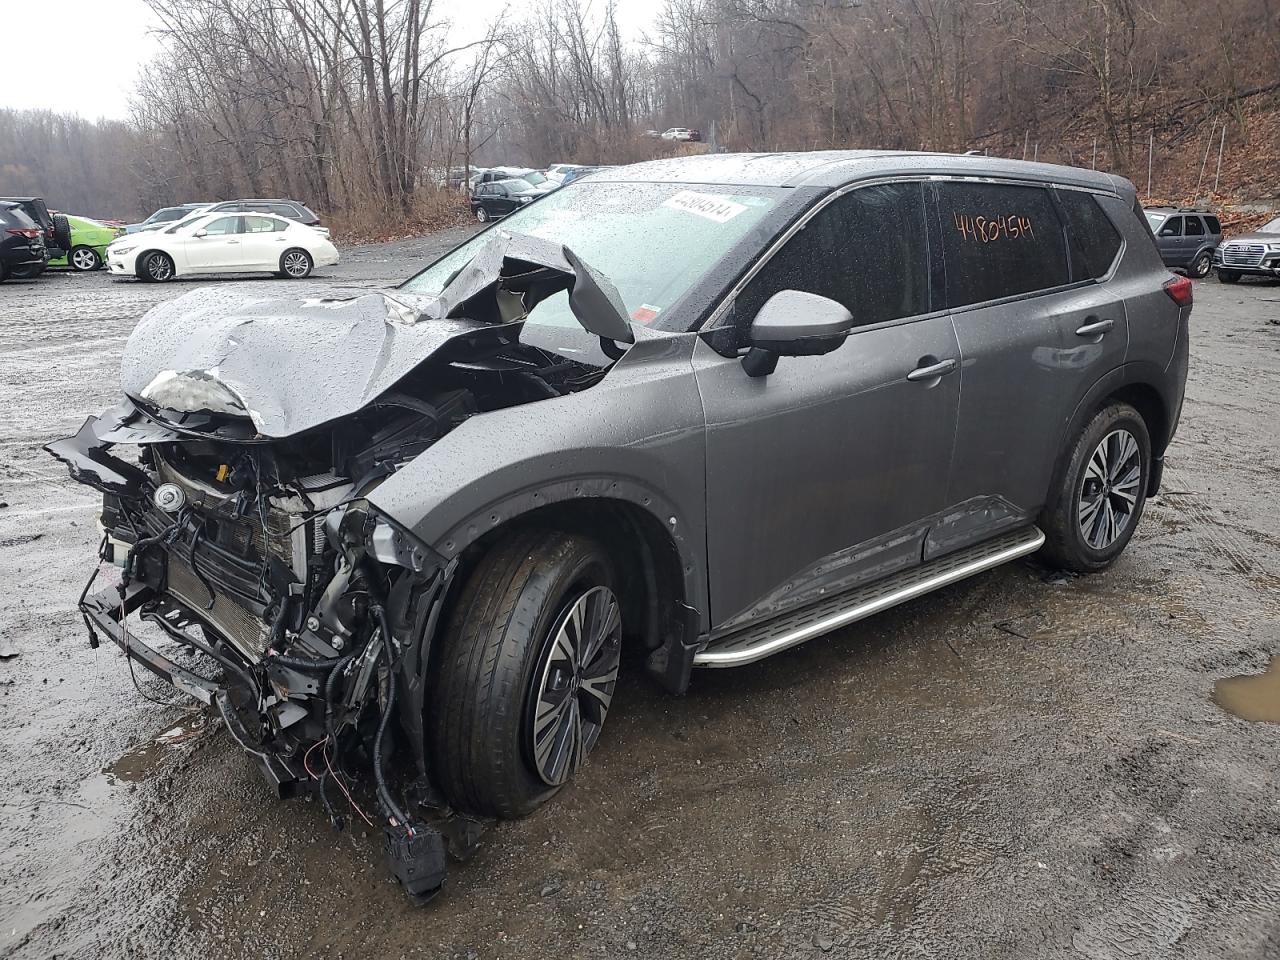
[(1036, 327), (262, 242), (824, 473)]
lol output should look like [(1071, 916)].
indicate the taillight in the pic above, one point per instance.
[(29, 234), (1179, 290)]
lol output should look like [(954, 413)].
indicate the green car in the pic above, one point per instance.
[(89, 240)]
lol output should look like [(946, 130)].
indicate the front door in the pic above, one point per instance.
[(1036, 331), (220, 248), (1172, 241), (826, 472)]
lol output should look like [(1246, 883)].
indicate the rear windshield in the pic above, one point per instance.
[(654, 241)]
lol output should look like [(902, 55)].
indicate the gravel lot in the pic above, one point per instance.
[(1020, 766)]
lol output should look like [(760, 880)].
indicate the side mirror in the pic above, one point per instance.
[(201, 233), (793, 323)]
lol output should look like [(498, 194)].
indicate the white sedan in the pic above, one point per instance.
[(222, 243)]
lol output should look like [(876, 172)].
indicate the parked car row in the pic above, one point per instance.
[(1190, 239), (270, 235), (497, 191)]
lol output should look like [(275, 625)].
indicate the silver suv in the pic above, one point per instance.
[(703, 409), (1250, 254)]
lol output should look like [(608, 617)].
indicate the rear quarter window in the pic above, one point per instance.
[(1095, 241), (1000, 240), (1213, 224)]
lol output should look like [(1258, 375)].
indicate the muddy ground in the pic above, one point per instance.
[(1020, 766)]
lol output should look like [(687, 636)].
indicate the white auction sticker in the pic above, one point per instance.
[(719, 209)]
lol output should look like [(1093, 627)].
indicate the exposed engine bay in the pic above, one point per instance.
[(242, 531)]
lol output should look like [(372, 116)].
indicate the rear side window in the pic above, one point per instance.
[(1094, 238), (1194, 227), (999, 240), (282, 210), (1213, 224), (867, 250)]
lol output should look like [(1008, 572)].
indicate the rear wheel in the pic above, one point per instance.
[(28, 272), (155, 267), (1100, 498), (482, 214), (526, 673), (1228, 276), (1201, 265), (295, 264), (84, 259)]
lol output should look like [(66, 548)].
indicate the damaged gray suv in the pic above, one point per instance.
[(700, 409)]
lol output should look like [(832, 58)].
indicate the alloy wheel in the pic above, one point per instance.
[(159, 267), (295, 263), (1109, 489), (576, 676), (82, 258)]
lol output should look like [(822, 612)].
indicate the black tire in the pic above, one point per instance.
[(493, 665), (84, 259), (295, 264), (4, 272), (1201, 265), (154, 266), (482, 214), (1228, 276), (28, 272), (62, 231), (1068, 511)]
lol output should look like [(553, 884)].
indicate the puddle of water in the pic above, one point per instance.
[(1251, 697), (142, 761), (43, 878)]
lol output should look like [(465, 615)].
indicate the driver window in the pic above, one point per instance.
[(1173, 228), (223, 226), (867, 250)]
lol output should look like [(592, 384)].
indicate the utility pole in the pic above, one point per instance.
[(1205, 162), (1222, 142), (1026, 142), (1151, 153)]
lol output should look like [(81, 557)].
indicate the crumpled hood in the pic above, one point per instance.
[(288, 365)]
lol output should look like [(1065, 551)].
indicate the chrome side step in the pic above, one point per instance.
[(765, 639)]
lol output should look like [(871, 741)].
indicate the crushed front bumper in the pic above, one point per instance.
[(106, 613)]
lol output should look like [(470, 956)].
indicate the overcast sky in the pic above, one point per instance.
[(104, 44)]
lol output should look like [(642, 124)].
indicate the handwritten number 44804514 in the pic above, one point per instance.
[(989, 229)]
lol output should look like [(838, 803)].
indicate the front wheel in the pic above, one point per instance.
[(295, 264), (526, 673), (1099, 500), (1228, 276), (155, 267), (84, 259), (1201, 265)]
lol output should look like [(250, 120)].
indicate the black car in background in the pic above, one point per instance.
[(492, 201), (22, 250), (54, 227), (289, 209)]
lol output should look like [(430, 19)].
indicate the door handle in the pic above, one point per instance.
[(932, 371), (1094, 327), (233, 241)]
